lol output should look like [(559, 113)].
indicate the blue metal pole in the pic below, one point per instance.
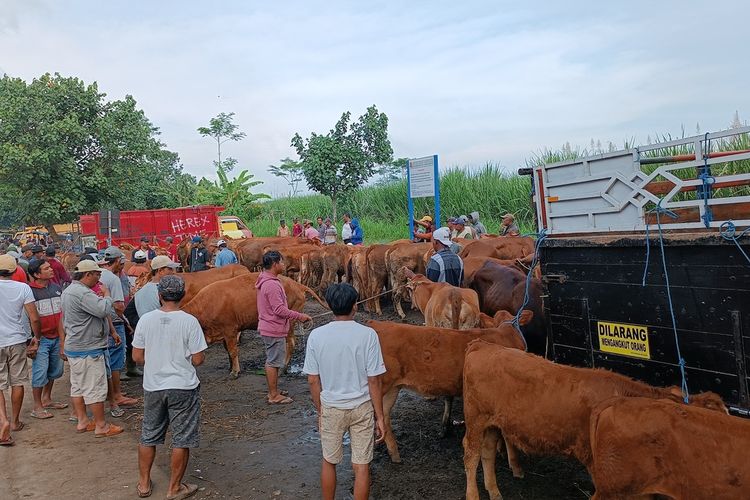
[(410, 202), (437, 192)]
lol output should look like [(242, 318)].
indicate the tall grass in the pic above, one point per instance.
[(383, 212)]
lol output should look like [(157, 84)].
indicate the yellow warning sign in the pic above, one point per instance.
[(623, 339)]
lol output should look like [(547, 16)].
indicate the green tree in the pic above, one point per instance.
[(65, 150), (234, 194), (221, 129), (291, 172), (337, 163)]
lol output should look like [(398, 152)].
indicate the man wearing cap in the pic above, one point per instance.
[(144, 247), (86, 323), (15, 297), (61, 276), (19, 274), (508, 226), (110, 277), (26, 254), (224, 256), (170, 343), (444, 266), (425, 229), (147, 298), (310, 232), (171, 248), (199, 256), (37, 253), (461, 231), (138, 268)]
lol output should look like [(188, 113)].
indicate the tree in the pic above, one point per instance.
[(337, 163), (392, 171), (221, 129), (291, 172), (65, 150), (233, 194)]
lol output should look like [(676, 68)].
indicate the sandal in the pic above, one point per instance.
[(147, 493), (112, 431), (127, 402), (89, 427), (41, 415), (284, 401), (116, 412), (7, 442), (56, 406), (20, 427), (189, 490)]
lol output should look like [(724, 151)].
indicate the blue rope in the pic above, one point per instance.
[(681, 361), (708, 182), (728, 231), (516, 321)]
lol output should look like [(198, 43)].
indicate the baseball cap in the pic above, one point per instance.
[(113, 253), (171, 285), (14, 254), (86, 266), (197, 239), (508, 216), (163, 261), (37, 249), (220, 242), (140, 255), (144, 238), (461, 220), (442, 235), (426, 218), (50, 250), (8, 263)]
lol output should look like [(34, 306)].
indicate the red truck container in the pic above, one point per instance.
[(179, 223)]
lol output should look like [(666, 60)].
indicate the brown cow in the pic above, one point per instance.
[(503, 288), (377, 274), (445, 305), (409, 255), (335, 262), (226, 308), (292, 255), (656, 447), (500, 248), (250, 251), (539, 406), (358, 272), (311, 268), (195, 282), (428, 360), (473, 264)]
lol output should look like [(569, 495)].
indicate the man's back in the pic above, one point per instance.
[(13, 297), (445, 266), (169, 340), (344, 354)]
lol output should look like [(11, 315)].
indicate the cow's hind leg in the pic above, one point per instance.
[(230, 342), (446, 421), (472, 445), (389, 399), (513, 461), (397, 304), (489, 453)]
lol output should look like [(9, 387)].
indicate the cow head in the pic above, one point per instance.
[(501, 317), (708, 400)]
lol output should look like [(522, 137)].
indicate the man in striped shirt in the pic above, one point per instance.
[(444, 265)]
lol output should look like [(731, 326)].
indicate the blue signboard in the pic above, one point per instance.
[(423, 181)]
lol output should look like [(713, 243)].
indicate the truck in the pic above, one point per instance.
[(645, 264), (129, 226)]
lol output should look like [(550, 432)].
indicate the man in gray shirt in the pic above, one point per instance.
[(85, 320), (147, 298)]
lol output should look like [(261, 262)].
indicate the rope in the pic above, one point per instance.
[(681, 361), (356, 303), (728, 231), (516, 321), (708, 181)]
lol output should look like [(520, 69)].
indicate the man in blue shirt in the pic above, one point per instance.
[(225, 256)]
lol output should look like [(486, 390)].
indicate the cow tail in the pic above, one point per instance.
[(314, 296), (455, 309)]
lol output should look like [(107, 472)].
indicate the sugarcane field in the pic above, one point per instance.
[(386, 251)]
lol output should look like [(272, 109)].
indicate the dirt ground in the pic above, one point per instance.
[(252, 450)]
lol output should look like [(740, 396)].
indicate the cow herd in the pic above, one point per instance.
[(634, 439)]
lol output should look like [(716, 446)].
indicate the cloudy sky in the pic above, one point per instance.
[(472, 81)]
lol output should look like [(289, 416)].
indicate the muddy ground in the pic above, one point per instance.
[(253, 450)]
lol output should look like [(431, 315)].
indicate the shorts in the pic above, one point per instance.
[(88, 379), (47, 364), (359, 421), (179, 410), (117, 352), (275, 351), (14, 366)]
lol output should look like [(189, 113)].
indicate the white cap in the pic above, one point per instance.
[(220, 242), (140, 254), (443, 235)]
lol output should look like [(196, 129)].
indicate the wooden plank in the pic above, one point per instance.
[(664, 187), (737, 211)]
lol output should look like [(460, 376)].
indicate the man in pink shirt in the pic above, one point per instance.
[(310, 232), (62, 277), (274, 317)]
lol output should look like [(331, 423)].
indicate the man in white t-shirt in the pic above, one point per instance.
[(343, 363), (170, 344), (15, 298)]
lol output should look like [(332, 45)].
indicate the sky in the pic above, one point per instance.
[(471, 81)]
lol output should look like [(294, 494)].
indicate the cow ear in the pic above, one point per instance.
[(503, 317), (526, 317), (675, 391), (486, 321)]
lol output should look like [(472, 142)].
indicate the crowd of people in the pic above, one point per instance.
[(464, 227), (324, 230)]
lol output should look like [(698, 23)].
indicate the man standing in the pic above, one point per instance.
[(170, 343), (283, 230), (343, 363), (274, 317), (26, 254), (310, 232), (462, 232), (111, 267), (145, 248), (86, 323), (478, 226), (171, 248), (198, 255), (15, 297), (138, 268), (329, 233), (357, 233), (225, 256), (37, 253), (424, 230), (147, 298), (47, 365), (321, 229), (297, 228), (508, 226), (444, 265), (61, 276), (346, 229)]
